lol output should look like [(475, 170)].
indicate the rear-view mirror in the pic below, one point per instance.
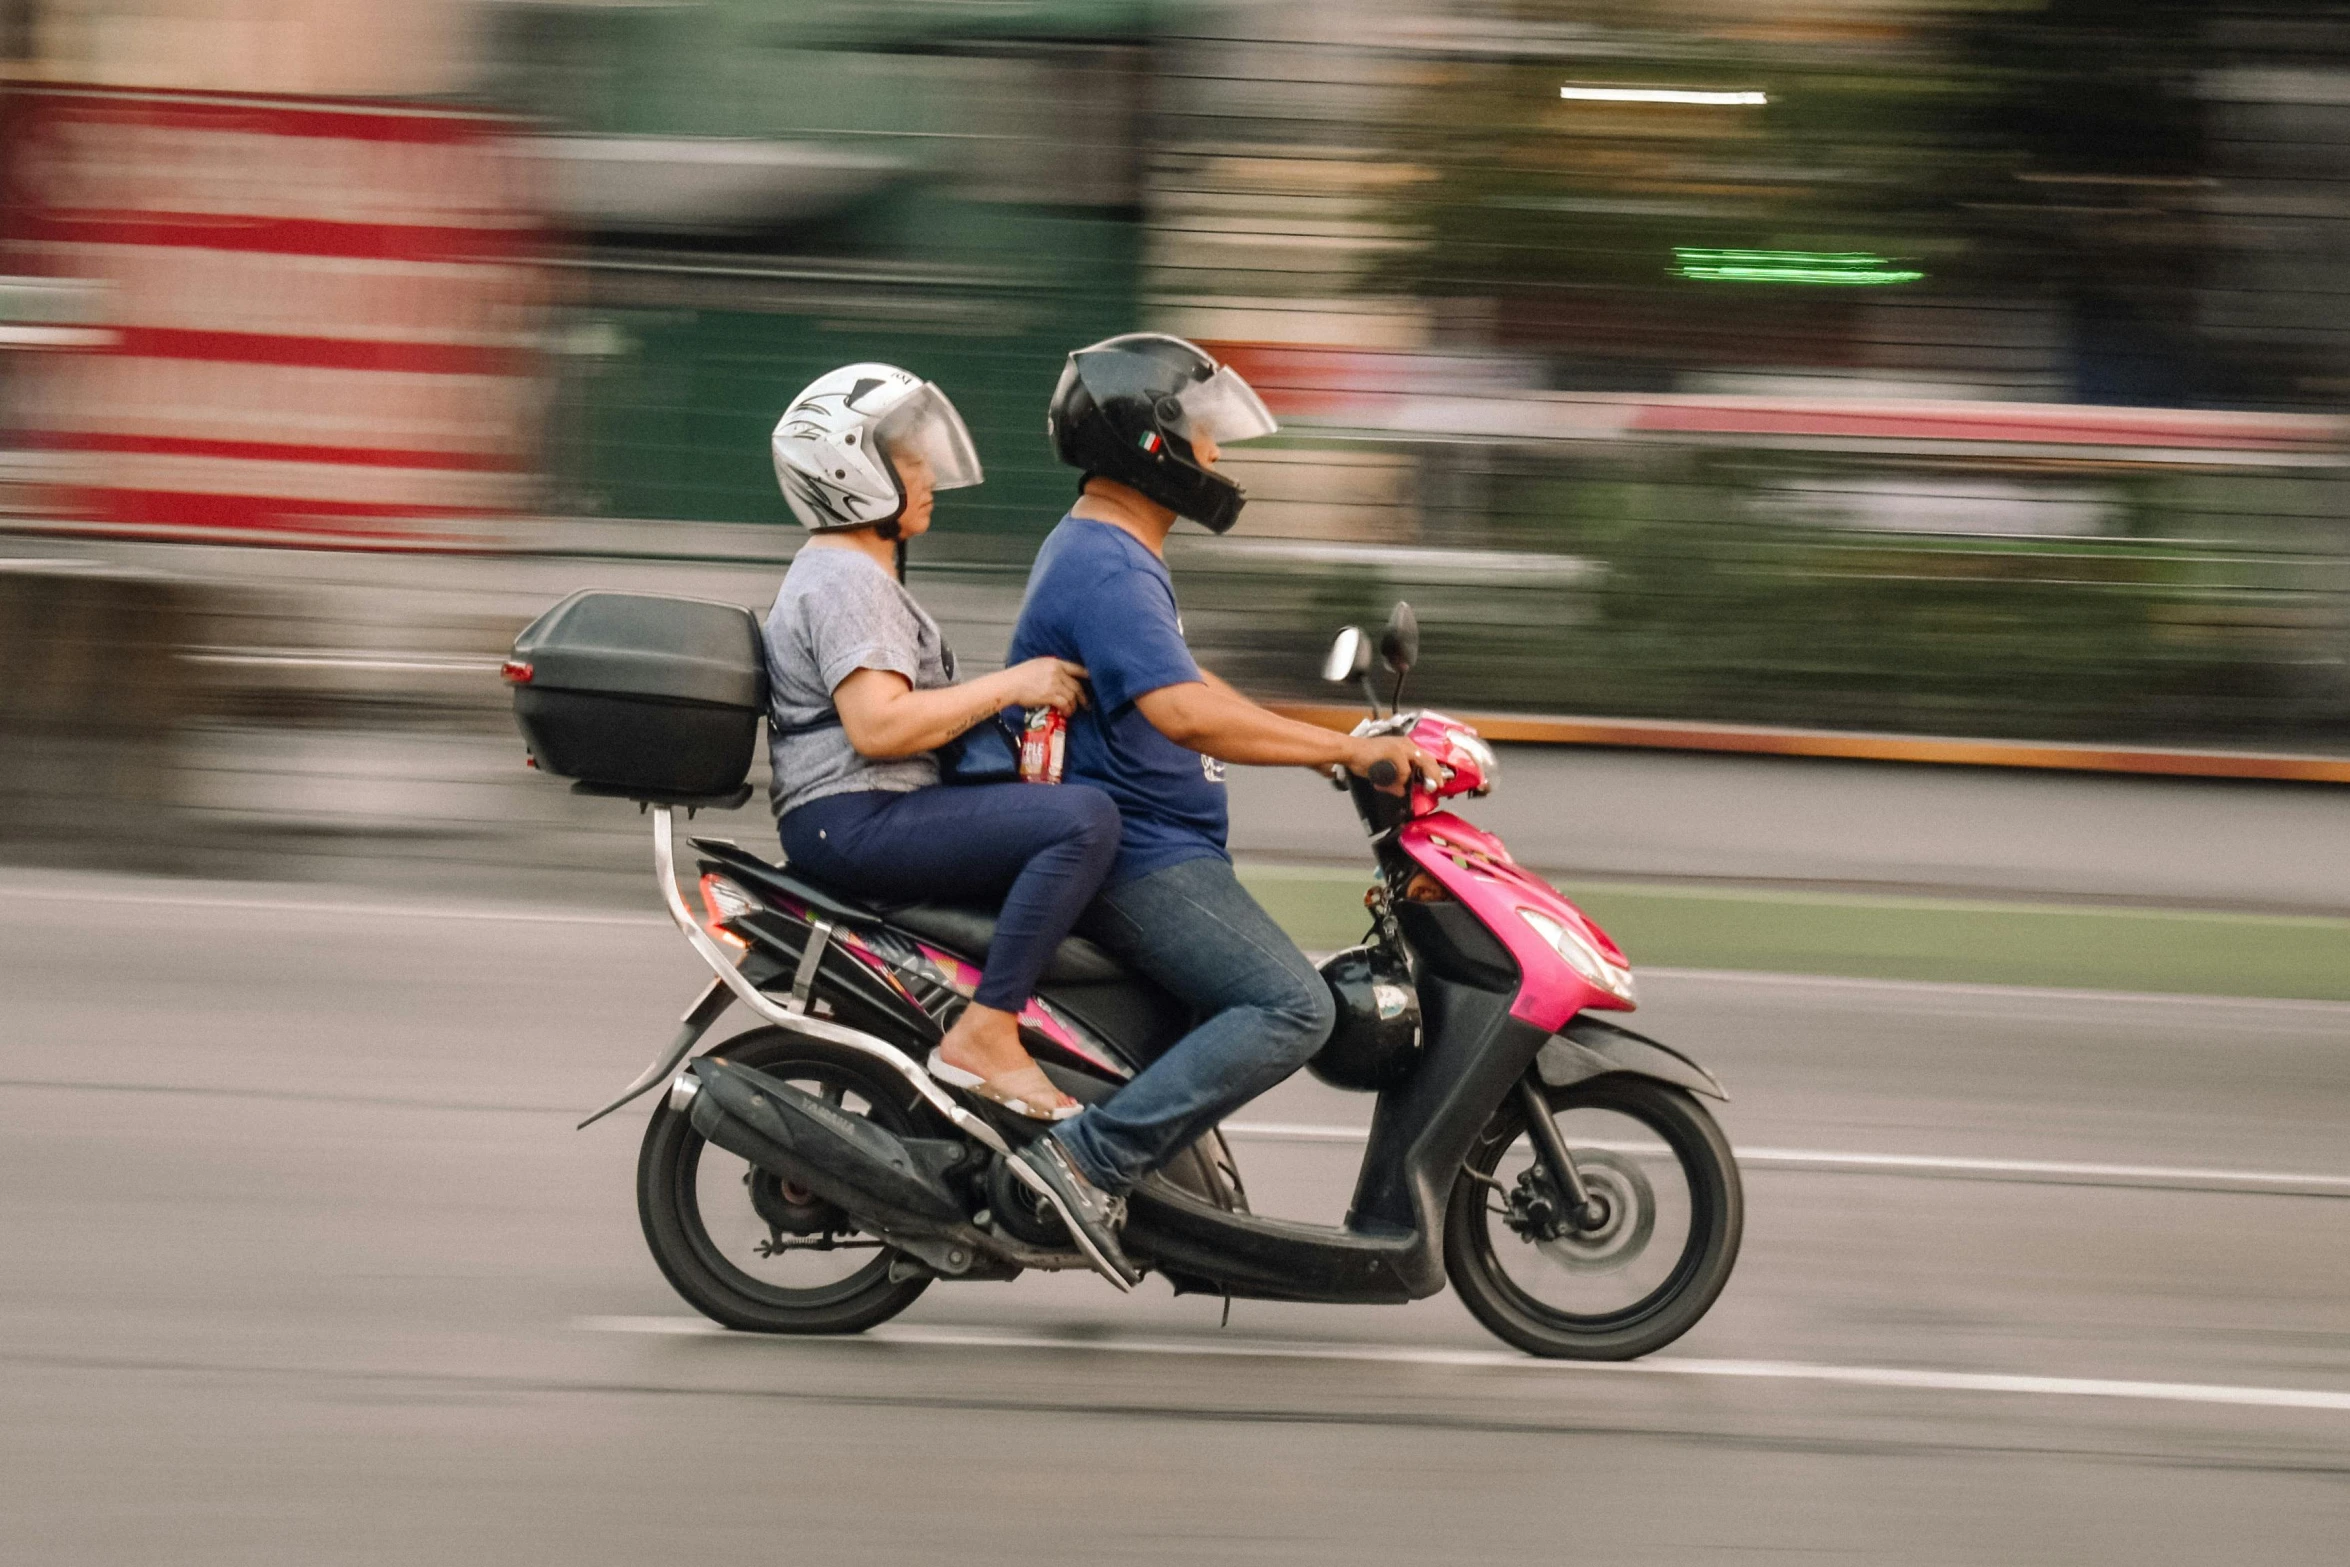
[(1350, 655), (1399, 644)]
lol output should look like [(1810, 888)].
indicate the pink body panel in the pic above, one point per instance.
[(1475, 868), (1435, 734), (1038, 1017)]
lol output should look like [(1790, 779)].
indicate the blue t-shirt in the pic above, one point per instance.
[(1097, 597)]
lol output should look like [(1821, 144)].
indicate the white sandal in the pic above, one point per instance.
[(1009, 1090)]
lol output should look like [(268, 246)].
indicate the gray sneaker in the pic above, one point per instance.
[(1091, 1214)]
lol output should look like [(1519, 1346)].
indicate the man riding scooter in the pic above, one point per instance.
[(1144, 417)]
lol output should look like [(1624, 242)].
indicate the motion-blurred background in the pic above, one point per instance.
[(1960, 367), (1749, 374)]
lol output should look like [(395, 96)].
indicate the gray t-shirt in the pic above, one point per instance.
[(837, 612)]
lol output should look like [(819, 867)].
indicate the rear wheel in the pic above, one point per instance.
[(753, 1251), (1672, 1212)]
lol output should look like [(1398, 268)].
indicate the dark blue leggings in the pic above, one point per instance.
[(1043, 848)]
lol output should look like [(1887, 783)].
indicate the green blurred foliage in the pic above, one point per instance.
[(1704, 612), (1710, 597), (2047, 159), (2010, 149)]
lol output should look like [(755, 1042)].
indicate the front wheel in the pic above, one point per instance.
[(758, 1253), (1665, 1178)]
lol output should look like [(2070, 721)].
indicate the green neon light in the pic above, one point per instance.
[(1832, 269)]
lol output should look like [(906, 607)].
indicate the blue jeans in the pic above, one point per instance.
[(1195, 930), (1042, 848)]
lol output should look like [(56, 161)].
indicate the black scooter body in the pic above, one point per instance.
[(1389, 1250)]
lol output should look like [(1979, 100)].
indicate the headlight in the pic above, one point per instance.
[(1584, 958)]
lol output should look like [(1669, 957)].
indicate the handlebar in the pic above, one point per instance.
[(1383, 774)]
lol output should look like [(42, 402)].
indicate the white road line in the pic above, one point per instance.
[(1411, 1355), (1823, 1159), (2135, 1174), (1295, 1131), (531, 914), (548, 915), (1985, 992)]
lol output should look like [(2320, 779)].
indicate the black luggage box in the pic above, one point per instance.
[(633, 691)]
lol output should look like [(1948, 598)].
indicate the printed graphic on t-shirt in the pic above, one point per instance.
[(1211, 769)]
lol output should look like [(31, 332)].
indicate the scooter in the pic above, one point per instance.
[(1557, 1168)]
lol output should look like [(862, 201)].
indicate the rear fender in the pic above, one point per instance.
[(1590, 1048)]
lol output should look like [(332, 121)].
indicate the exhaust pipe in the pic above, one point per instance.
[(843, 1158)]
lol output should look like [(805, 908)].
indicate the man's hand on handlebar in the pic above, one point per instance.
[(1386, 761)]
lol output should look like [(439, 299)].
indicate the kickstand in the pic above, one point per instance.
[(1227, 1322)]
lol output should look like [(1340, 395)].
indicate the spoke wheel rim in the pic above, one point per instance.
[(1702, 1219), (834, 1088)]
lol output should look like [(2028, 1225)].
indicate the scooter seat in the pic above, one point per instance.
[(960, 928), (970, 931)]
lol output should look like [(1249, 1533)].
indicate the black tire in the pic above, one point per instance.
[(1717, 1219), (669, 1201)]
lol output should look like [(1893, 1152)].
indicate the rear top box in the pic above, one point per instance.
[(638, 692)]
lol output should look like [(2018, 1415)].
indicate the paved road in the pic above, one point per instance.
[(305, 1264), (1796, 822)]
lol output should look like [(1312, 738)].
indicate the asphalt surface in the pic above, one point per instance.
[(1875, 826), (306, 1264)]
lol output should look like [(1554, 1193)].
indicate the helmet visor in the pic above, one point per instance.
[(926, 429), (1225, 409)]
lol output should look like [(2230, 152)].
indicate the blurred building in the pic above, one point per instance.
[(757, 193), (1949, 364), (1851, 345), (370, 47)]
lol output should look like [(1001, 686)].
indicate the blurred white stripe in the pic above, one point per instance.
[(350, 483), (286, 658), (482, 304), (1923, 1164), (17, 335), (1408, 1355), (1663, 95), (521, 914), (1985, 990), (199, 399)]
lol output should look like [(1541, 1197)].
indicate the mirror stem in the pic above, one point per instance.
[(1370, 693)]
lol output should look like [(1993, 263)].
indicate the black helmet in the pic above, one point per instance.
[(1127, 408), (1377, 1041)]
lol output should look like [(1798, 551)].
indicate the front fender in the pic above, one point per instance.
[(1589, 1048)]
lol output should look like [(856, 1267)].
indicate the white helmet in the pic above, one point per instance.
[(835, 446)]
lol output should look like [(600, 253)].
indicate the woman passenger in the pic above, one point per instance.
[(864, 694)]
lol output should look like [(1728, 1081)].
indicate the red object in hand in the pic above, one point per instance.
[(1044, 746)]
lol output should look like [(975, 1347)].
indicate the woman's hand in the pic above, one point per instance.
[(1044, 682), (885, 717)]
